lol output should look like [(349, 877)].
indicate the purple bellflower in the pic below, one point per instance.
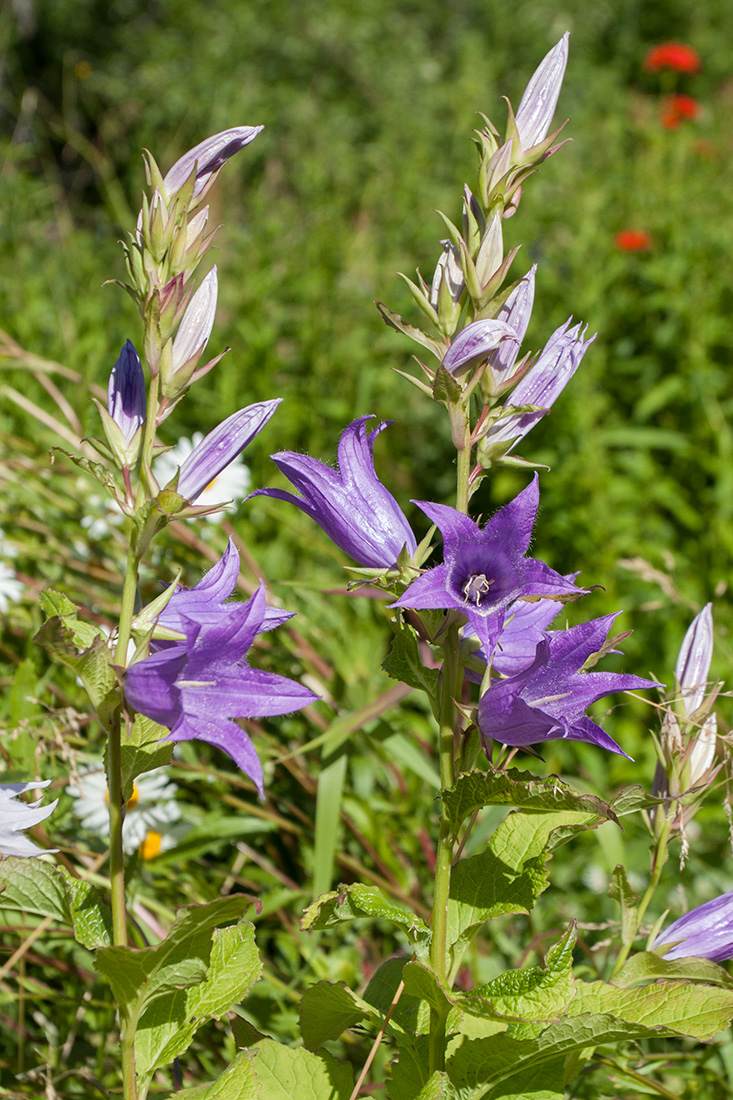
[(705, 932), (204, 604), (195, 687), (350, 504), (541, 385), (548, 700), (209, 156), (524, 628), (537, 105), (221, 446), (484, 570)]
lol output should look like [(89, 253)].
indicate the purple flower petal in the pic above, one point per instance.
[(705, 932), (475, 343), (516, 313), (693, 662), (221, 446), (126, 392), (537, 105), (196, 324), (350, 504), (208, 156)]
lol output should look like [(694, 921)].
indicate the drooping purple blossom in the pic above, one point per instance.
[(542, 385), (208, 156), (547, 701), (221, 446), (126, 392), (204, 604), (197, 686), (350, 504), (537, 105), (516, 313), (484, 570), (705, 932)]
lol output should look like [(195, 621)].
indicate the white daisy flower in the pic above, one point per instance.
[(233, 483), (151, 813), (17, 816), (104, 514)]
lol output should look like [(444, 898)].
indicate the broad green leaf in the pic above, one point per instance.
[(410, 1073), (284, 1074), (684, 1008), (646, 966), (420, 981), (33, 886), (140, 975), (168, 1025), (475, 790), (357, 901), (84, 649), (381, 992), (533, 993), (510, 874), (628, 902), (237, 1082), (487, 1068), (327, 1009), (445, 387), (142, 751), (403, 661), (632, 799), (439, 1087)]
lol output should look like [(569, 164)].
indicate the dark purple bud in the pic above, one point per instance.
[(126, 392)]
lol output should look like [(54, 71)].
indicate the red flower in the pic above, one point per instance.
[(672, 55), (633, 240), (677, 108)]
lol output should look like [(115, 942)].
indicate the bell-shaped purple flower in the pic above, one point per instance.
[(221, 446), (197, 686), (209, 156), (126, 392), (537, 105), (548, 700), (204, 604), (484, 570), (541, 385), (705, 932), (350, 504), (524, 628)]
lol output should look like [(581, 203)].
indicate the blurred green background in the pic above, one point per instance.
[(368, 109)]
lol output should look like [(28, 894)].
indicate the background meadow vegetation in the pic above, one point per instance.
[(368, 109)]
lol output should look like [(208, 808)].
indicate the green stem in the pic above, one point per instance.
[(450, 686), (658, 861), (463, 468)]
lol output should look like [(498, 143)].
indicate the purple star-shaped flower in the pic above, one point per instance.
[(203, 605), (350, 504), (706, 932), (524, 628), (195, 687), (548, 700), (484, 570)]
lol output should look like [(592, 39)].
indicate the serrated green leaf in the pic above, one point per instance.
[(327, 1009), (632, 799), (381, 992), (445, 387), (646, 966), (627, 899), (283, 1074), (396, 322), (167, 1026), (684, 1007), (34, 886), (140, 975), (237, 1082), (85, 650), (486, 1069), (475, 790), (142, 751), (410, 1073), (356, 901), (438, 1087), (532, 993), (403, 661)]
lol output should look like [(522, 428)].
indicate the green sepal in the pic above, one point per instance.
[(421, 299), (396, 322)]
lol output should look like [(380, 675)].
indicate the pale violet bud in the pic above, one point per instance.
[(195, 328), (693, 661), (208, 157), (705, 932), (476, 342), (448, 272), (703, 750), (515, 312), (537, 106), (221, 446), (543, 384)]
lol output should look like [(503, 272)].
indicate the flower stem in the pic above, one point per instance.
[(659, 859), (463, 468)]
